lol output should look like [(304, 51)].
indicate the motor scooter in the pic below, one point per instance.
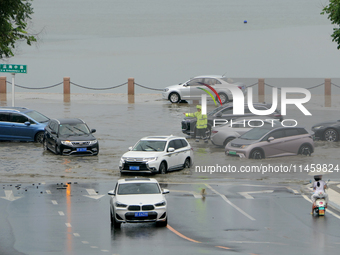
[(320, 203)]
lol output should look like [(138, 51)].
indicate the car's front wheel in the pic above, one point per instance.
[(162, 168), (39, 137), (57, 150), (162, 223), (187, 163), (331, 135), (174, 97), (115, 223), (256, 154)]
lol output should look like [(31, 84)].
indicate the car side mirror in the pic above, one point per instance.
[(130, 148), (27, 123), (185, 85), (111, 193), (166, 191), (93, 130), (171, 149), (270, 139)]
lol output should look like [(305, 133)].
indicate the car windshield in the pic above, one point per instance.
[(138, 188), (37, 116), (73, 129), (256, 133), (146, 145)]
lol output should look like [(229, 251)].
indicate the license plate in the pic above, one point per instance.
[(141, 214), (81, 149), (321, 212), (232, 152), (134, 167)]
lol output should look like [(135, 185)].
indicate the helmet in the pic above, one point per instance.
[(198, 106), (317, 177)]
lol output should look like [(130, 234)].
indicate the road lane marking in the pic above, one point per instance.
[(223, 247), (247, 196), (230, 203), (195, 194), (54, 202), (61, 213), (9, 196), (48, 191), (93, 194), (181, 235), (85, 242), (76, 234), (94, 247), (68, 225)]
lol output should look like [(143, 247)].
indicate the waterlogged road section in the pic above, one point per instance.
[(204, 218), (120, 125)]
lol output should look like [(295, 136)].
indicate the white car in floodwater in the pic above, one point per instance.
[(157, 154)]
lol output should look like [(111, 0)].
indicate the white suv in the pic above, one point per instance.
[(137, 200), (157, 154)]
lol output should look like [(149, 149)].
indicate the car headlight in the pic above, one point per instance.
[(244, 146), (166, 90), (66, 143), (150, 159), (119, 204), (318, 127), (93, 142), (162, 203)]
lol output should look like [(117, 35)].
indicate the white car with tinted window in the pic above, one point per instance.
[(138, 200), (192, 89), (157, 154)]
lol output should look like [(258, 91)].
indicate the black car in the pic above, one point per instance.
[(225, 112), (70, 137), (328, 131)]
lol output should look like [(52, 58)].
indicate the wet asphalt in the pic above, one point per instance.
[(46, 207)]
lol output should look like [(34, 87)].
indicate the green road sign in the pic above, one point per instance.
[(10, 68)]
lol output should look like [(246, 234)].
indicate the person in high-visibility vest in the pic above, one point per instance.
[(201, 123)]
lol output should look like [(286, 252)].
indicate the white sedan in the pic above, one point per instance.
[(137, 200), (194, 88)]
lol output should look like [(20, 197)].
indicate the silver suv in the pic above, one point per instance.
[(267, 141), (192, 89)]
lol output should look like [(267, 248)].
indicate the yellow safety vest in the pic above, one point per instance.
[(202, 120)]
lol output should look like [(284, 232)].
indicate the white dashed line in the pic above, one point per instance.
[(48, 191), (76, 234), (68, 225), (54, 202), (85, 242), (94, 247), (61, 213)]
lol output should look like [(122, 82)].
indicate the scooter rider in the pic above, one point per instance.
[(201, 124), (319, 187)]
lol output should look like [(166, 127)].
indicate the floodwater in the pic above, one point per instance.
[(120, 124)]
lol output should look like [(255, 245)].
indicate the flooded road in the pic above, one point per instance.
[(120, 125)]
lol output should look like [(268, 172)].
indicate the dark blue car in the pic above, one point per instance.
[(22, 124)]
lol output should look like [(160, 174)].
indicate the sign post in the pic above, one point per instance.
[(11, 68)]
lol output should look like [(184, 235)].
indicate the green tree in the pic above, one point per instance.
[(333, 11), (14, 15)]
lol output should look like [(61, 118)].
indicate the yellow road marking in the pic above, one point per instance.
[(181, 235)]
